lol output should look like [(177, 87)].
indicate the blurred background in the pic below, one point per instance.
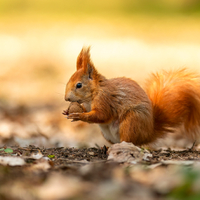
[(39, 44)]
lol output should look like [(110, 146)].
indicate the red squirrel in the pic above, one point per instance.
[(126, 112)]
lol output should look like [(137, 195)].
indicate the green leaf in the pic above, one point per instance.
[(51, 156), (2, 149), (8, 150)]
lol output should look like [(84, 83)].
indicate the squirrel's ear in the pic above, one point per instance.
[(89, 70), (83, 58), (83, 61)]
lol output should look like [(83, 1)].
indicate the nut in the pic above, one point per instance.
[(75, 107)]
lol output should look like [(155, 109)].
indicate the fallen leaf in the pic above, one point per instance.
[(59, 187), (8, 150), (40, 164), (51, 156), (36, 154), (127, 152), (178, 162), (12, 161)]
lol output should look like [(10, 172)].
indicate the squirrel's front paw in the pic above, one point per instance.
[(65, 112), (74, 116)]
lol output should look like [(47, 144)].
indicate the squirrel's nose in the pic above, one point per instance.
[(67, 98)]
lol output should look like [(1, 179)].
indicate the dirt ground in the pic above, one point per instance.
[(87, 173)]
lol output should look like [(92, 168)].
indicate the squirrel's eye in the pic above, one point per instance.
[(78, 85)]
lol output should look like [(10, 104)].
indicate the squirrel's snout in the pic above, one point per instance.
[(67, 96), (67, 99)]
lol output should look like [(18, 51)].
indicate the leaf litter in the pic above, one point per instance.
[(96, 173), (119, 171)]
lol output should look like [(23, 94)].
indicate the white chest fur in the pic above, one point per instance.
[(111, 131)]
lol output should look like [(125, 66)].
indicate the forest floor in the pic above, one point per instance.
[(98, 173), (45, 156)]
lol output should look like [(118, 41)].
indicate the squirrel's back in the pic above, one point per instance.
[(175, 97)]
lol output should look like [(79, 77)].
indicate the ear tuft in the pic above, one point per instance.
[(83, 58), (90, 70)]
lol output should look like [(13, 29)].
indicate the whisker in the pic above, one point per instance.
[(60, 93), (61, 83)]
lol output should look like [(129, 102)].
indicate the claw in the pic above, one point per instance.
[(65, 112)]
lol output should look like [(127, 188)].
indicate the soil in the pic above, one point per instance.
[(88, 165)]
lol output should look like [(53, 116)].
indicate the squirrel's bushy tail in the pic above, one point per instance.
[(175, 97)]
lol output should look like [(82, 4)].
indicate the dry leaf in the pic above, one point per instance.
[(127, 152), (12, 161)]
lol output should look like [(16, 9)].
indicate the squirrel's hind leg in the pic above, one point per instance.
[(136, 128)]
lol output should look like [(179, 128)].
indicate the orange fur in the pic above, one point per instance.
[(175, 97), (125, 112)]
